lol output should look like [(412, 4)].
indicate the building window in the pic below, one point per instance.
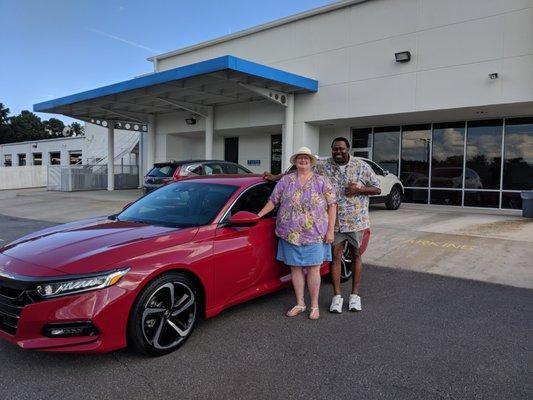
[(362, 142), (37, 158), (22, 160), (74, 157), (55, 158), (518, 154), (386, 143), (416, 143), (484, 154), (8, 161)]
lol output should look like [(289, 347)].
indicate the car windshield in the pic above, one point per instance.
[(180, 205), (163, 171)]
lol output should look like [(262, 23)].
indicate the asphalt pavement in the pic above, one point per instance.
[(419, 336)]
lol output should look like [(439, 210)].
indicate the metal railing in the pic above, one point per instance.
[(70, 178)]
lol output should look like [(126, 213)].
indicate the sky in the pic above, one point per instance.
[(54, 48)]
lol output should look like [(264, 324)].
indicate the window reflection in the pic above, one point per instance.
[(518, 161), (483, 154), (416, 141), (511, 200), (446, 197), (447, 155), (360, 137), (482, 199), (385, 148), (416, 196)]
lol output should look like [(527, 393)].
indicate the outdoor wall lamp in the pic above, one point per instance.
[(493, 75), (190, 121), (403, 56)]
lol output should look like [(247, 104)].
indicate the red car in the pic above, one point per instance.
[(145, 276)]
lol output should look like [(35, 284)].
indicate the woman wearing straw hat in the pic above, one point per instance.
[(305, 224)]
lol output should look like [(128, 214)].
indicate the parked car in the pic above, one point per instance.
[(166, 172), (391, 187), (144, 276)]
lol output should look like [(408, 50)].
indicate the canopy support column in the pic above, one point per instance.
[(150, 144), (111, 155), (209, 128), (288, 133)]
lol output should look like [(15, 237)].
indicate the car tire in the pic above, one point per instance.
[(164, 315), (346, 263), (394, 199)]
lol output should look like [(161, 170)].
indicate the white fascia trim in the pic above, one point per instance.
[(258, 28)]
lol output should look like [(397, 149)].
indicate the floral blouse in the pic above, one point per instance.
[(303, 210)]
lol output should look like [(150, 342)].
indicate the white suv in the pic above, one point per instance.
[(391, 187)]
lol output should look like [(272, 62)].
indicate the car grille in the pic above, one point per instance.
[(12, 301)]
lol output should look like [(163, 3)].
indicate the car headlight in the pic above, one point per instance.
[(63, 288)]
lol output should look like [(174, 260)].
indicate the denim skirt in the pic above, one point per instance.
[(306, 255)]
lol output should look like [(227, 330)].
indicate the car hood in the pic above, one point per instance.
[(89, 246)]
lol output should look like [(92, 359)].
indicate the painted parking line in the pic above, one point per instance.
[(437, 244)]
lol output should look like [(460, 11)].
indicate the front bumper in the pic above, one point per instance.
[(106, 309)]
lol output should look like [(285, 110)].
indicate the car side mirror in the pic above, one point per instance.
[(385, 172), (244, 218)]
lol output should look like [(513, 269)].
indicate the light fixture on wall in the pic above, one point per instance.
[(493, 75), (403, 56), (190, 121)]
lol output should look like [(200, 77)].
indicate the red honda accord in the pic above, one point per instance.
[(145, 276)]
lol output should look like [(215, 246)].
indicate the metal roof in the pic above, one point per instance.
[(212, 82)]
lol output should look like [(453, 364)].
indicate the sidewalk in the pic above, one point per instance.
[(486, 245)]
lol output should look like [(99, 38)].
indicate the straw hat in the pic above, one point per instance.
[(303, 151)]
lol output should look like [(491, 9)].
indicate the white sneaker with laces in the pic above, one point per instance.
[(355, 303), (336, 304)]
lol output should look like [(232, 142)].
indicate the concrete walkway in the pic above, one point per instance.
[(485, 245)]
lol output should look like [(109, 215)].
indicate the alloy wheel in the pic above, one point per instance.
[(346, 263), (169, 315)]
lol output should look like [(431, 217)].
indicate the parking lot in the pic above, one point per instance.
[(425, 332)]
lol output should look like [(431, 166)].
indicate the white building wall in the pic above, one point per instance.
[(45, 147), (350, 51)]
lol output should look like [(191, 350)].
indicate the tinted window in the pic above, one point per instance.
[(165, 171), (180, 205), (360, 137), (447, 159), (484, 153), (213, 169), (385, 148), (416, 142), (518, 156), (234, 169), (254, 199), (191, 170)]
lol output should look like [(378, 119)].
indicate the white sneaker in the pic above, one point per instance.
[(355, 303), (336, 304)]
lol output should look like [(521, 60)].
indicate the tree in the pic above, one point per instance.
[(27, 126), (6, 134), (54, 127), (76, 129)]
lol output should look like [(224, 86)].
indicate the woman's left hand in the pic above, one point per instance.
[(329, 237)]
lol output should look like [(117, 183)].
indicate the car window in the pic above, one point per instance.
[(179, 205), (254, 199), (191, 170), (376, 168), (165, 171), (213, 169), (234, 169)]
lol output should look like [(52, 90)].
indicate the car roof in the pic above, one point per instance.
[(228, 179), (163, 164)]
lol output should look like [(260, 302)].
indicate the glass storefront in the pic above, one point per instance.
[(456, 163)]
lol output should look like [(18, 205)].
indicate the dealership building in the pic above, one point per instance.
[(438, 92)]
